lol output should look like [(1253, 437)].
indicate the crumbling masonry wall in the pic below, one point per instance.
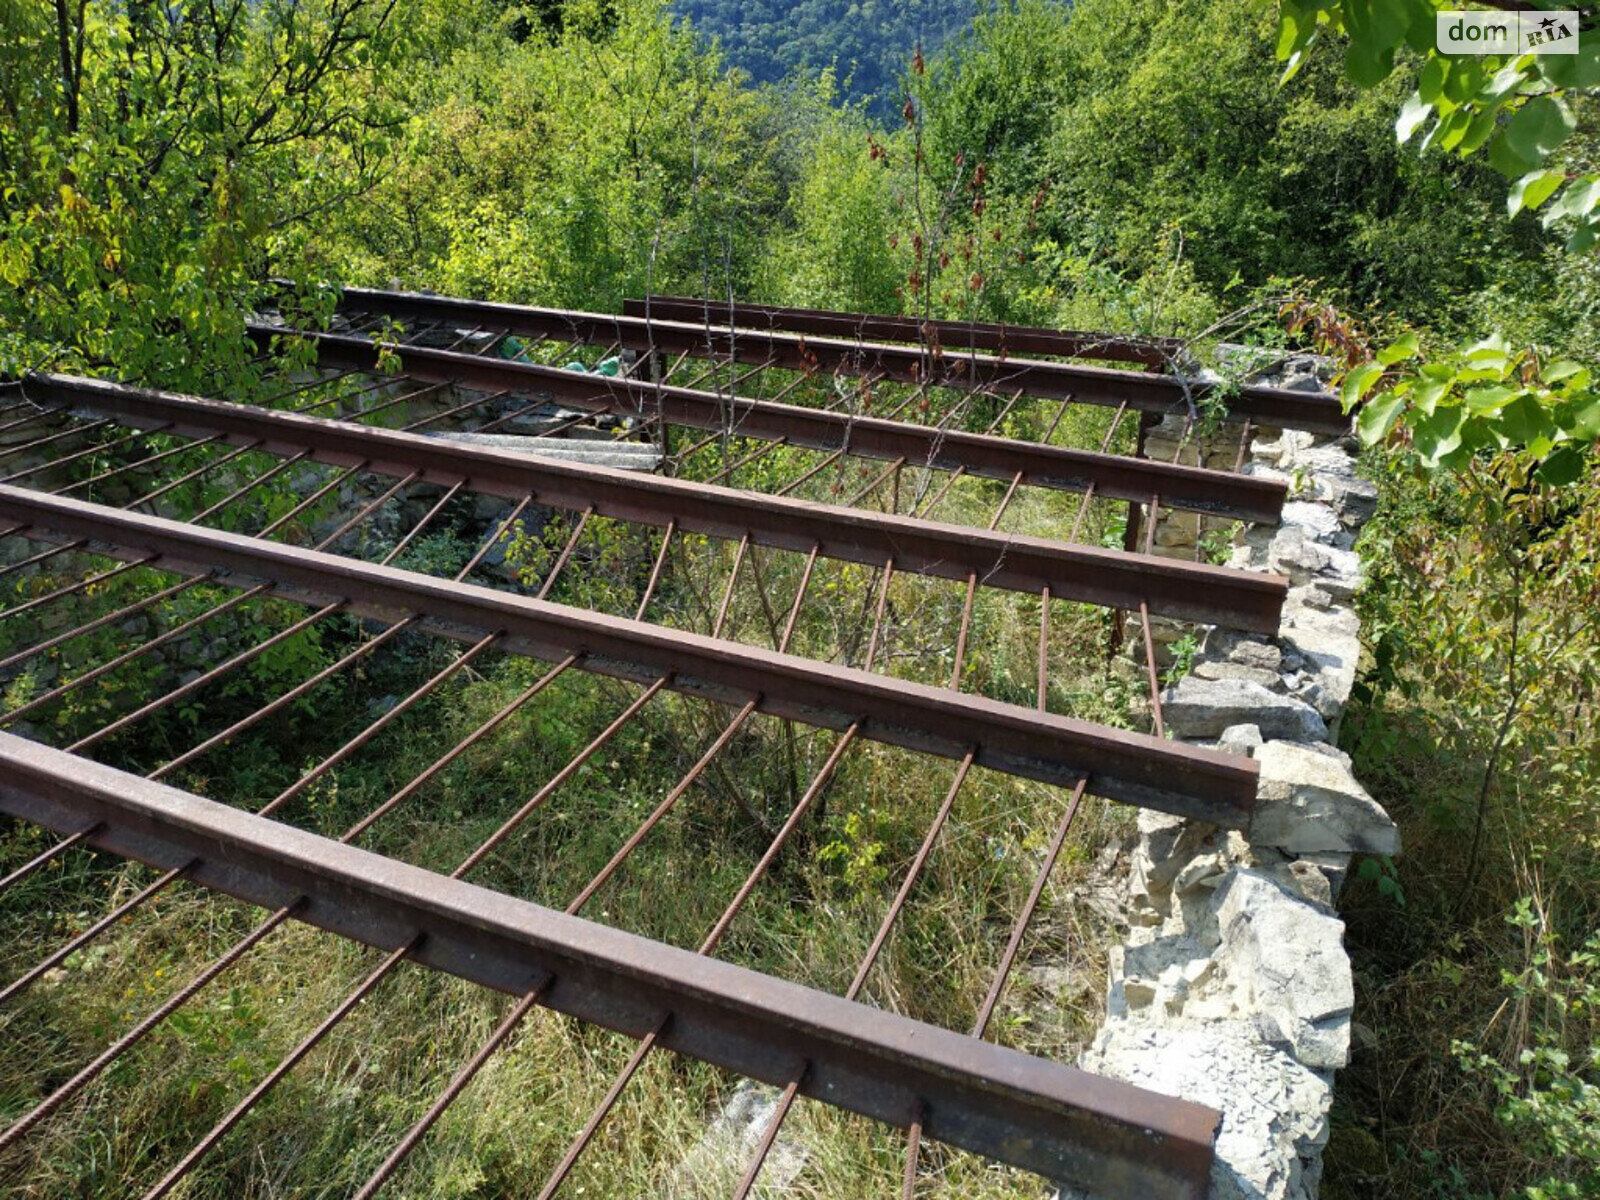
[(1233, 987)]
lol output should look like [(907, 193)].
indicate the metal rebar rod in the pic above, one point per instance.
[(449, 495), (39, 860), (371, 507), (277, 705), (1020, 928), (559, 778), (478, 402), (67, 950), (1152, 678), (346, 397), (908, 1181), (74, 431), (83, 1078), (42, 556), (799, 598), (733, 578), (961, 635), (566, 553), (128, 656), (827, 461), (1088, 493), (237, 1113), (938, 497), (339, 478), (463, 1077), (649, 1041), (529, 999), (461, 747), (360, 414), (877, 621), (863, 493), (178, 631), (655, 570), (494, 538), (211, 676), (72, 588), (140, 462), (77, 454), (28, 420), (249, 486), (1043, 691), (504, 419)]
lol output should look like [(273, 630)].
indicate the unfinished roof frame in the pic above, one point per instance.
[(970, 730)]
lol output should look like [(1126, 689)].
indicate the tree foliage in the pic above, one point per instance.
[(1518, 110), (160, 160)]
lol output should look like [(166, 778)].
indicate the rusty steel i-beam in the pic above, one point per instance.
[(1046, 1117), (1145, 391), (1116, 477), (1004, 340), (1131, 767), (1189, 591)]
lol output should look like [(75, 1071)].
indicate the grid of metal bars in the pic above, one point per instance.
[(934, 1084)]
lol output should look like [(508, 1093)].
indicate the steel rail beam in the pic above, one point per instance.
[(1184, 590), (1136, 768), (1047, 380), (951, 335), (1243, 497), (1042, 1116)]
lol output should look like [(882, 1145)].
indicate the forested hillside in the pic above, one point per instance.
[(1140, 166), (868, 44)]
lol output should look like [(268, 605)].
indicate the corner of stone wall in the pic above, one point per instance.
[(1233, 988)]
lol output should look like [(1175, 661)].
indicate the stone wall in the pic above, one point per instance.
[(1232, 987)]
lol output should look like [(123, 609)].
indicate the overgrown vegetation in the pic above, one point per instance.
[(1136, 167)]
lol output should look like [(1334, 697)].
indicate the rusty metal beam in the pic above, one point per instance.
[(1242, 497), (1131, 767), (1049, 380), (1189, 591), (1043, 1116), (951, 335)]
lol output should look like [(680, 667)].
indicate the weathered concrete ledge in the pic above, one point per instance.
[(1233, 987)]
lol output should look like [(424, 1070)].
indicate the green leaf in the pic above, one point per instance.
[(1477, 131), (1412, 114), (1527, 422), (1581, 418), (1533, 189), (1377, 417), (1292, 32), (1437, 437), (1563, 466), (1489, 399), (1579, 199), (1576, 71), (1565, 368), (1367, 65), (1430, 83), (1583, 237), (1406, 347), (1428, 395), (1538, 129), (1357, 382)]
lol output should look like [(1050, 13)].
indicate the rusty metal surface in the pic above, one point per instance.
[(1197, 489), (951, 335), (1191, 591), (1131, 767), (1048, 380), (1046, 1117)]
